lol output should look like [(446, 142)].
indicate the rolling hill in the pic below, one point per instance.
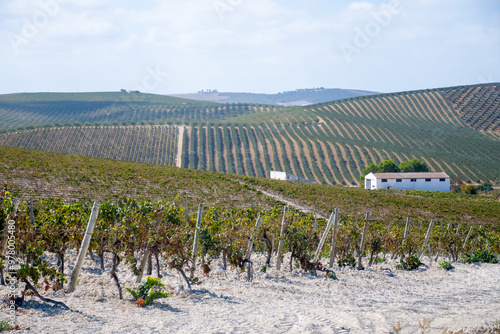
[(298, 97), (456, 130)]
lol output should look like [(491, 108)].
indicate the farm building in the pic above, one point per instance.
[(408, 181), (288, 177)]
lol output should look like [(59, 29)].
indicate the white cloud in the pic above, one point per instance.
[(266, 44)]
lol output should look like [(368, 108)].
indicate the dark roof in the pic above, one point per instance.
[(432, 175)]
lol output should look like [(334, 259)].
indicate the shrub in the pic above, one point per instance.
[(410, 263), (348, 260), (469, 189), (445, 265), (485, 187), (4, 326), (480, 257), (149, 291)]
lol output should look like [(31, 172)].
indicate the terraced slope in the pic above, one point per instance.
[(148, 144), (34, 109), (478, 105), (39, 174), (329, 143)]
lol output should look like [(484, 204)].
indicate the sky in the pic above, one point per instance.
[(259, 46)]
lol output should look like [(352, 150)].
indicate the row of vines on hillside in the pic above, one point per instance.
[(128, 228)]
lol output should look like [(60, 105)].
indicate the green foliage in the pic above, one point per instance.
[(347, 260), (486, 186), (264, 268), (446, 265), (469, 189), (480, 257), (388, 166), (149, 291), (411, 262), (4, 326), (414, 165)]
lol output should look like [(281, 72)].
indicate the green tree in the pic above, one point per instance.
[(485, 187), (414, 165), (388, 166)]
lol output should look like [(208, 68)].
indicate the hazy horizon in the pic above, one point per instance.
[(258, 46)]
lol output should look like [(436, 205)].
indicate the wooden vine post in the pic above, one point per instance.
[(407, 227), (32, 220), (323, 238), (281, 242), (467, 238), (195, 242), (426, 240), (84, 247), (147, 253), (186, 212), (362, 246), (333, 244), (315, 222), (252, 237), (250, 247)]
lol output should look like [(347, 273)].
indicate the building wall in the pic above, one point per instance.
[(406, 184), (278, 175), (287, 177)]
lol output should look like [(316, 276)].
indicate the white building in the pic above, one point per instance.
[(288, 177), (408, 181)]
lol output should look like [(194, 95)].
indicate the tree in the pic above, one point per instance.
[(414, 165), (485, 187), (372, 168), (388, 166)]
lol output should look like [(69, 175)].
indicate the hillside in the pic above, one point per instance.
[(31, 109), (39, 174), (299, 97), (450, 129)]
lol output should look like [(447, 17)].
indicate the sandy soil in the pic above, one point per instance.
[(371, 301)]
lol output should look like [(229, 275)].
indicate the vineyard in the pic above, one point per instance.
[(454, 130), (477, 105), (154, 144), (68, 259), (34, 110), (38, 174), (128, 228)]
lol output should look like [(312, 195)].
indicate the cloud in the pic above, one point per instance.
[(266, 44)]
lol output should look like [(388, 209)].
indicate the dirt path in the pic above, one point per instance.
[(290, 202), (180, 141)]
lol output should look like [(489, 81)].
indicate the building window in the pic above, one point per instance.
[(428, 180), (384, 180), (413, 180), (442, 180), (399, 180)]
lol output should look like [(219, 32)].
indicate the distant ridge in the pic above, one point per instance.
[(298, 97)]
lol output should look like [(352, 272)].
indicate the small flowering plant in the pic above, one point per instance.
[(149, 291)]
